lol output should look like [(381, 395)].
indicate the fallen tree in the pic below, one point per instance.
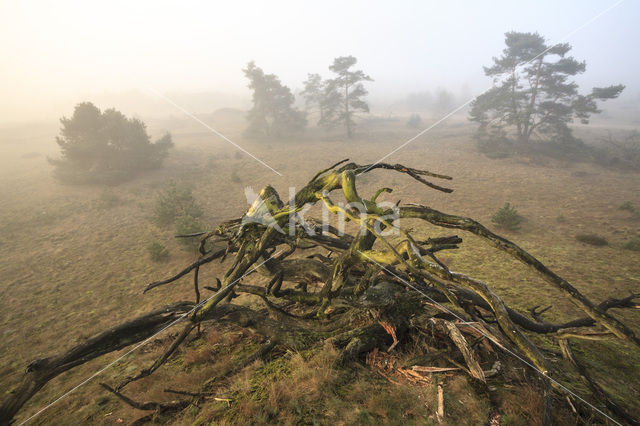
[(359, 291)]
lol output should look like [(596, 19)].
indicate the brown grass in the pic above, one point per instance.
[(71, 267), (522, 405)]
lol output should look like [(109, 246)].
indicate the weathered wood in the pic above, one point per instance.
[(467, 352), (440, 412), (160, 361), (452, 221), (41, 371), (149, 405)]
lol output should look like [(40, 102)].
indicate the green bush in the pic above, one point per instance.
[(494, 143), (174, 202), (628, 206), (185, 225), (621, 153), (211, 162), (157, 252), (592, 239), (235, 177), (507, 218), (107, 200), (561, 219), (632, 244)]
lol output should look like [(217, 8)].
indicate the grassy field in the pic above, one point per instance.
[(73, 262)]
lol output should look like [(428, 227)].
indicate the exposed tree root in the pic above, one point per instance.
[(40, 371), (372, 293), (160, 361), (149, 405)]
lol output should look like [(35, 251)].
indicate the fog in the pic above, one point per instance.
[(55, 54), (419, 217)]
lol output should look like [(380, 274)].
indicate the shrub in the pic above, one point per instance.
[(157, 252), (185, 225), (107, 200), (507, 218), (211, 162), (628, 206), (592, 239), (561, 219), (414, 121), (632, 244), (105, 147), (174, 202), (235, 177), (622, 154)]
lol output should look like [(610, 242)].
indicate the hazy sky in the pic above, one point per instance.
[(58, 52)]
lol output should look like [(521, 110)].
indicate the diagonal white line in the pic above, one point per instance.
[(419, 134), (510, 352), (139, 345), (581, 27), (568, 35), (169, 101)]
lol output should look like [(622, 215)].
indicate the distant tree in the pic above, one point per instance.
[(420, 100), (331, 103), (105, 147), (533, 96), (272, 114), (313, 94), (414, 121), (444, 101), (465, 92), (343, 95)]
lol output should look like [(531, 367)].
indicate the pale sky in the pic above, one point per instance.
[(56, 53)]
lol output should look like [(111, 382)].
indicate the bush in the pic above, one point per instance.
[(628, 206), (494, 143), (592, 239), (186, 225), (414, 121), (105, 147), (235, 177), (211, 162), (107, 200), (174, 202), (157, 252), (622, 154), (507, 218), (632, 244)]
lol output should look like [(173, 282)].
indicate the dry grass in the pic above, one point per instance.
[(73, 262), (307, 388)]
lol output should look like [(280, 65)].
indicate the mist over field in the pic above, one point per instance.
[(60, 54), (475, 259)]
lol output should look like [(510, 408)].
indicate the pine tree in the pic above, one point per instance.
[(343, 95), (105, 147), (272, 114), (534, 96), (313, 94)]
